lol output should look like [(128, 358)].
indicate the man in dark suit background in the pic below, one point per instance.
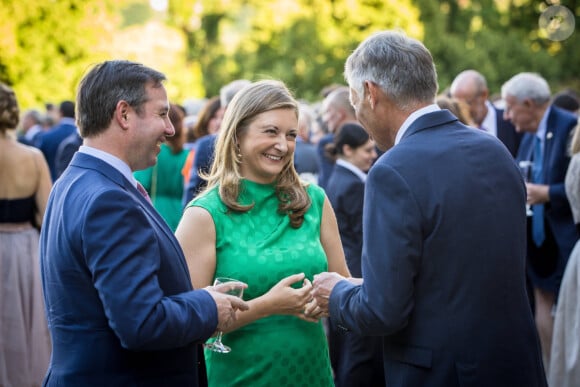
[(336, 111), (471, 87), (119, 300), (51, 139), (31, 128), (443, 249), (547, 132)]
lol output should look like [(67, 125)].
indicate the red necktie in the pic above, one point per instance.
[(143, 192)]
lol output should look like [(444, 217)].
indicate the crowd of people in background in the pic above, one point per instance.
[(371, 172)]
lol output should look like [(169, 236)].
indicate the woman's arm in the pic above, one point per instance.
[(197, 237), (330, 239)]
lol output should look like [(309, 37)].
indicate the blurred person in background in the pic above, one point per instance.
[(568, 100), (31, 128), (551, 232), (564, 370), (335, 111), (471, 87), (456, 106), (356, 360), (207, 121), (305, 157), (51, 139), (24, 188)]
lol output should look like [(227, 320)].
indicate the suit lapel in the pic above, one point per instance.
[(551, 127), (86, 161)]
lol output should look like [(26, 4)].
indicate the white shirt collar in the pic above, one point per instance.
[(489, 123), (114, 161), (412, 117), (353, 168)]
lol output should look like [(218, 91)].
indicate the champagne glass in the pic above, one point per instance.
[(232, 287), (526, 170)]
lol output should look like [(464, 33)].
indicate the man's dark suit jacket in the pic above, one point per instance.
[(325, 164), (65, 152), (117, 288), (506, 133), (49, 142), (444, 244), (557, 212), (305, 158), (345, 191)]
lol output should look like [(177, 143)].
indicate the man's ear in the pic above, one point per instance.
[(528, 103), (371, 92), (122, 114)]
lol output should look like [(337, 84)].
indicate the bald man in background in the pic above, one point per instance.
[(471, 87), (336, 111)]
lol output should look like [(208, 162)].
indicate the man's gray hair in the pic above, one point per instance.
[(527, 86), (400, 65)]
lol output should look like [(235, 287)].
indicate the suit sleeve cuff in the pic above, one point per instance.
[(336, 302)]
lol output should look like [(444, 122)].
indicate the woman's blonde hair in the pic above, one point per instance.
[(248, 103)]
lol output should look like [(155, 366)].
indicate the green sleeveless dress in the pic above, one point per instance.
[(259, 247)]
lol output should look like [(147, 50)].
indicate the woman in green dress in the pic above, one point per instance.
[(258, 223)]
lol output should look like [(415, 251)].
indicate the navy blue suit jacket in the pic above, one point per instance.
[(325, 165), (119, 299), (444, 243), (202, 160), (559, 129), (345, 191), (49, 142), (305, 158), (506, 133)]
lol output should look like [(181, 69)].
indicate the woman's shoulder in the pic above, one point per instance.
[(316, 193), (208, 199)]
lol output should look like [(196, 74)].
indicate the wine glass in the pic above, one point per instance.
[(526, 170), (232, 287)]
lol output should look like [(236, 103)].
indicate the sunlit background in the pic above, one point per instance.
[(47, 45)]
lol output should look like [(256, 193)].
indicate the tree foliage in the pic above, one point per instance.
[(498, 38), (46, 45)]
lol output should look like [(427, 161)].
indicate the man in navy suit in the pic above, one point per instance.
[(547, 132), (119, 300), (443, 235), (32, 129), (50, 140), (336, 111), (471, 87)]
